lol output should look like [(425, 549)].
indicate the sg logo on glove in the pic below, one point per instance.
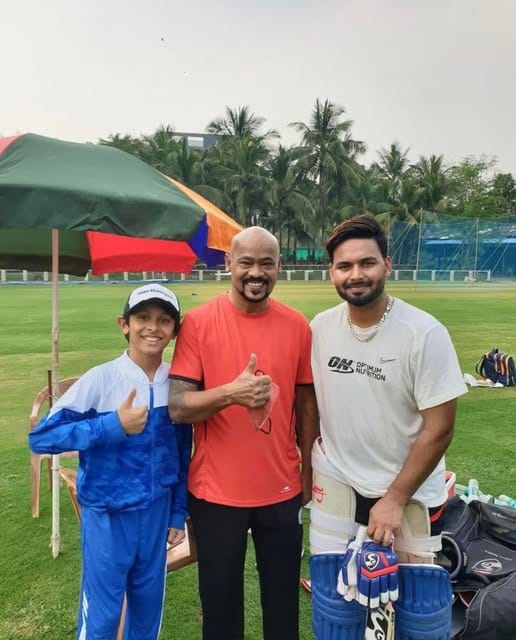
[(371, 560)]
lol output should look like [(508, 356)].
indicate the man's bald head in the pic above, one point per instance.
[(254, 261), (255, 236)]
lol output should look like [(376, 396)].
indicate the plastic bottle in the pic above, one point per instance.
[(473, 489), (506, 500), (460, 489)]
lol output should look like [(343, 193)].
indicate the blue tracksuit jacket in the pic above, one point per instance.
[(119, 472)]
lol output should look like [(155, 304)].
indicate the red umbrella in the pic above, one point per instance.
[(110, 253)]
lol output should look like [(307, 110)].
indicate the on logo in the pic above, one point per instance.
[(340, 365)]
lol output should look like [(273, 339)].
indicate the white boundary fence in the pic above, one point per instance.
[(314, 274), (196, 275), (433, 275)]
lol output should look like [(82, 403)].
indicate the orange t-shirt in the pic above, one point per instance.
[(234, 463)]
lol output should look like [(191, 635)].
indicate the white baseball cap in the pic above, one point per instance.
[(153, 293)]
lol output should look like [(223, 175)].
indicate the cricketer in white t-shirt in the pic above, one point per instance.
[(370, 395)]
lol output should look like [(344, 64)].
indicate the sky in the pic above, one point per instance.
[(438, 76)]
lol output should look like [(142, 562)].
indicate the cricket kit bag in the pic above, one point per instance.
[(479, 552), (497, 367)]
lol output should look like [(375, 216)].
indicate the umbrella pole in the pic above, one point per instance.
[(55, 540)]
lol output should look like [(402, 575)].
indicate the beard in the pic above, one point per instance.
[(254, 299), (363, 299)]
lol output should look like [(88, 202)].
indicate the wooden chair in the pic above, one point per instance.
[(69, 477), (43, 401), (184, 553)]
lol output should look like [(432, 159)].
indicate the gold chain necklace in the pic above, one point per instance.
[(375, 329)]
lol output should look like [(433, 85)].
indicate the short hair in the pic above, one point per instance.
[(362, 226)]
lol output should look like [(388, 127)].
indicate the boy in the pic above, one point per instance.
[(131, 481)]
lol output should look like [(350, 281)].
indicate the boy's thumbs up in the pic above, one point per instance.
[(132, 419), (128, 402)]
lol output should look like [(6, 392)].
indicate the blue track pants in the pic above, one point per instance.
[(123, 552)]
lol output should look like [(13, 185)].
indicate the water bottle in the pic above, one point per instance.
[(473, 489), (506, 500)]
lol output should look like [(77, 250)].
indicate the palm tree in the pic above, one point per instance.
[(366, 194), (160, 150), (291, 209), (431, 175), (411, 197), (392, 167), (240, 123), (242, 176), (188, 164), (125, 142), (329, 153), (241, 154)]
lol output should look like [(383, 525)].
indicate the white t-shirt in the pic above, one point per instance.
[(370, 394)]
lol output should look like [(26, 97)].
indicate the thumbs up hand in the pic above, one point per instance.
[(132, 419), (251, 390)]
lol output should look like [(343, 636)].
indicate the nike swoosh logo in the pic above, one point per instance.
[(385, 360)]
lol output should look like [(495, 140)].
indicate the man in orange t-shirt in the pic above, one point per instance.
[(241, 373)]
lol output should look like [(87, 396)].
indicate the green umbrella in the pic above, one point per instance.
[(49, 186)]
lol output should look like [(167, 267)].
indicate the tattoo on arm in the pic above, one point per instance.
[(177, 389)]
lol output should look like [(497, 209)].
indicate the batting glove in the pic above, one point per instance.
[(369, 572)]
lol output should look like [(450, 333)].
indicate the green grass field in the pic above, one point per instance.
[(38, 595)]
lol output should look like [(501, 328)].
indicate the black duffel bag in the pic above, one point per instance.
[(479, 551)]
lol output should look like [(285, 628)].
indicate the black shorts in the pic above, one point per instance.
[(364, 506)]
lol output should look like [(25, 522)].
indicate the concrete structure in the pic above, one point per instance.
[(198, 140)]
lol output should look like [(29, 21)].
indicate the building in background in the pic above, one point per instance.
[(198, 140)]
